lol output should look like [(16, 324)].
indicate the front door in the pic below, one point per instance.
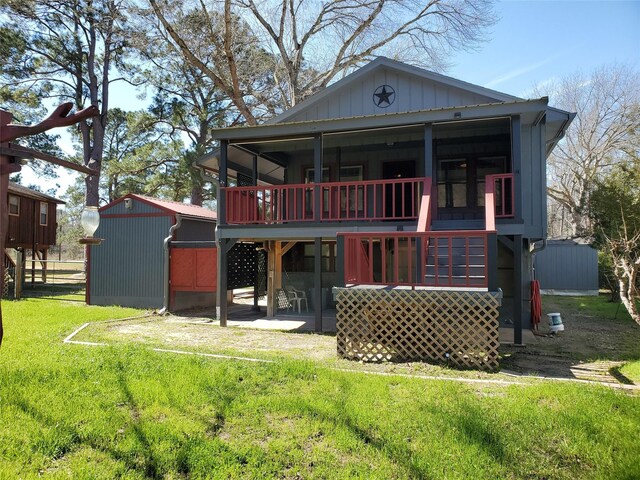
[(398, 205)]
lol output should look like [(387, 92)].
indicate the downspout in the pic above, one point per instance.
[(535, 250), (167, 241)]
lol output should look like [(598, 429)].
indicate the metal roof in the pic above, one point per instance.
[(168, 206), (18, 189)]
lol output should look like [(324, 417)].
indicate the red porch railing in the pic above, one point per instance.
[(370, 200), (504, 195), (269, 204), (432, 259)]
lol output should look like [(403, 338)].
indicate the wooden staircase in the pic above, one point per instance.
[(456, 261)]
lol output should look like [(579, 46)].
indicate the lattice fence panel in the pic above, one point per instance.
[(457, 327), (243, 265), (261, 279), (244, 180)]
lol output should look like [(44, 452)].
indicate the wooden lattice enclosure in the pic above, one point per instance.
[(457, 327)]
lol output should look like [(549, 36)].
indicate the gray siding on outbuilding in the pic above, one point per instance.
[(196, 230), (127, 268), (567, 266)]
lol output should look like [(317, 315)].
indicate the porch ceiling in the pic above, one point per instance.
[(274, 143)]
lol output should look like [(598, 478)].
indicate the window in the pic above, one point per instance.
[(14, 205), (328, 257), (452, 183), (44, 213), (351, 173)]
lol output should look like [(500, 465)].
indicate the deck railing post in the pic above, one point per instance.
[(492, 262), (317, 178), (340, 266)]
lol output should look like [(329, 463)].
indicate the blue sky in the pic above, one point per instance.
[(537, 41)]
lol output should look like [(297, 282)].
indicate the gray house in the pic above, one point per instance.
[(154, 254), (394, 179)]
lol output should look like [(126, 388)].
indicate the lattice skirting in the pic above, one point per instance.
[(457, 327)]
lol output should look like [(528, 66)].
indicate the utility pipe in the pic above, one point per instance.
[(167, 241)]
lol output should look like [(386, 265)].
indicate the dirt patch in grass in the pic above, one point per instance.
[(593, 347), (195, 334), (206, 336), (598, 338)]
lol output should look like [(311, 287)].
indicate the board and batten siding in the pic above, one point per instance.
[(533, 177), (412, 93), (130, 260), (567, 267)]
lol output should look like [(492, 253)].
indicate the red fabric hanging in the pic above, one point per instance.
[(536, 304)]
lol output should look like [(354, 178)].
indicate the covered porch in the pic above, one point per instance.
[(398, 199)]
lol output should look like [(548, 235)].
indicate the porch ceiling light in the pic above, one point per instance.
[(90, 220)]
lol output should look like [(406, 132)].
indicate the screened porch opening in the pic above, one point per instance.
[(464, 154), (298, 279)]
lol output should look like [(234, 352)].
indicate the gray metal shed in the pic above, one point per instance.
[(131, 267), (567, 267)]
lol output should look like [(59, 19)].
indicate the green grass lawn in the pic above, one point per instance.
[(124, 411)]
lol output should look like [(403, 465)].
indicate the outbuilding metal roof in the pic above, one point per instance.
[(169, 206)]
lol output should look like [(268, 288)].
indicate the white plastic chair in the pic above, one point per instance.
[(297, 297)]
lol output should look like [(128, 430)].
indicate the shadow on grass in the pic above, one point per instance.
[(66, 437), (621, 377), (468, 424), (149, 462), (65, 293)]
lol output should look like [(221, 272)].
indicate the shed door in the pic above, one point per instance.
[(194, 269)]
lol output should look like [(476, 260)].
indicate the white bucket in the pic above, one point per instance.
[(555, 322)]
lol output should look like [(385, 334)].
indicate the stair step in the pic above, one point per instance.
[(457, 224)]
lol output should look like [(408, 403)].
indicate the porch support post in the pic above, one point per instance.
[(274, 276), (222, 175), (340, 261), (517, 295), (516, 160), (254, 171), (224, 245), (317, 281), (271, 297), (428, 168), (254, 182), (492, 262), (428, 150), (317, 177), (417, 258)]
